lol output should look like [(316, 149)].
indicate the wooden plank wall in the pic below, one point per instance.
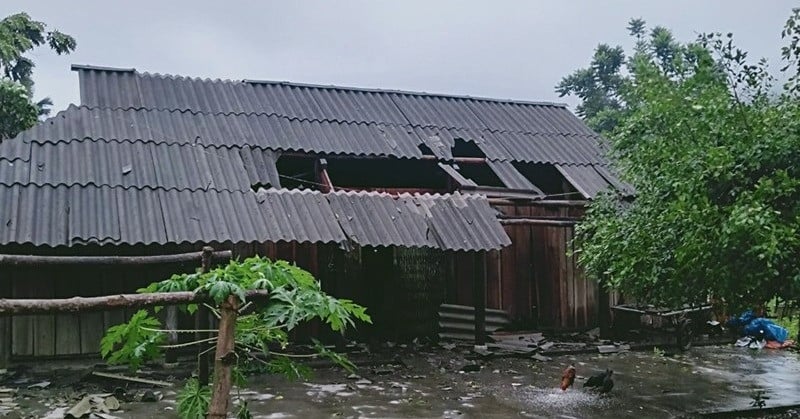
[(79, 334), (536, 279)]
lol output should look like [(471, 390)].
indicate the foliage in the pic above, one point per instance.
[(19, 35), (194, 399), (712, 152), (133, 342), (17, 112), (601, 87), (262, 329)]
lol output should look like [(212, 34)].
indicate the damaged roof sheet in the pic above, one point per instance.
[(450, 222), (592, 180), (503, 129)]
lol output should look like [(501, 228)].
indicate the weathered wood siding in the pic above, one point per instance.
[(537, 279), (79, 334)]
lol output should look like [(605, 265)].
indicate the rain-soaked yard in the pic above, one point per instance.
[(430, 382)]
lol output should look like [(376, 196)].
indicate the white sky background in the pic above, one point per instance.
[(504, 49)]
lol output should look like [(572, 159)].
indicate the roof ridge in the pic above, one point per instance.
[(86, 67), (73, 107)]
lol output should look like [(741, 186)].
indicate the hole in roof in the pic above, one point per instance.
[(547, 178), (382, 174), (425, 150), (463, 148), (297, 172), (256, 186), (480, 174)]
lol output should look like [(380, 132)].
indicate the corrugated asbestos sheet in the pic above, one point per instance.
[(266, 131), (66, 216), (151, 159), (504, 130), (139, 164), (456, 175), (511, 177), (450, 222), (592, 180), (71, 215)]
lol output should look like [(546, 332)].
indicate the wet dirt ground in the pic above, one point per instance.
[(430, 383)]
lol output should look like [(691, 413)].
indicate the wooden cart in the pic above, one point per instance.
[(683, 323)]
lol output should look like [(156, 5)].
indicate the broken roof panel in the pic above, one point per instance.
[(588, 180), (464, 222), (450, 222), (456, 175), (511, 177)]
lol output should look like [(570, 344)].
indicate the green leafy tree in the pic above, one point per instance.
[(16, 110), (713, 154), (262, 330), (19, 35), (601, 87)]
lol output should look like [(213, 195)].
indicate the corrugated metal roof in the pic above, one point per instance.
[(140, 164), (449, 222)]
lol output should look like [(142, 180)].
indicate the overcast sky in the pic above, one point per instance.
[(504, 49)]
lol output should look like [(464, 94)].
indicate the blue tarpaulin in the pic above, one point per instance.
[(759, 327)]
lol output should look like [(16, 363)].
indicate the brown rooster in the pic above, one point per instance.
[(567, 378)]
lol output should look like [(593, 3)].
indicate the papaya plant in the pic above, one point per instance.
[(262, 327)]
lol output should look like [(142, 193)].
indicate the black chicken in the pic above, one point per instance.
[(608, 383), (601, 382)]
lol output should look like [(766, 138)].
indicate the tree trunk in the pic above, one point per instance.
[(224, 359)]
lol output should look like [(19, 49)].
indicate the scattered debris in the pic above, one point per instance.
[(81, 409), (42, 385), (607, 349), (131, 379), (95, 403), (541, 358)]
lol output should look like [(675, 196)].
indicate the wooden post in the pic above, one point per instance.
[(224, 359), (201, 323), (5, 325), (479, 298), (604, 308), (171, 324)]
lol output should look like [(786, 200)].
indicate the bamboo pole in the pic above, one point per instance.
[(201, 323), (534, 221), (539, 202), (20, 260), (11, 307)]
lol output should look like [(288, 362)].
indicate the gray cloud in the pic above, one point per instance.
[(509, 49)]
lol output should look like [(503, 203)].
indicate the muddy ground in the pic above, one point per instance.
[(430, 382)]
